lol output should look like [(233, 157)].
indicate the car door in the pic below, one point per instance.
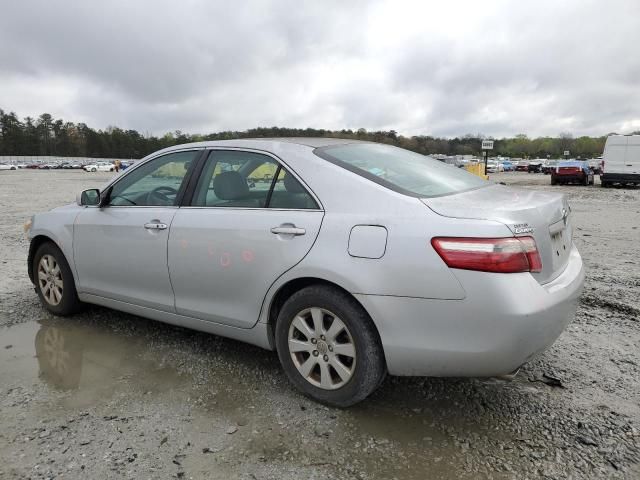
[(632, 157), (249, 221), (120, 249)]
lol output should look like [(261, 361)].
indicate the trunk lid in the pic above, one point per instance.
[(543, 215)]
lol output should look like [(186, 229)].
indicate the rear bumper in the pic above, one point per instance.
[(579, 177), (620, 177), (504, 320)]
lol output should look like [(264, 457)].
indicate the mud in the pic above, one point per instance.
[(109, 395)]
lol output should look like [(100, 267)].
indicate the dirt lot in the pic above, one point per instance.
[(110, 395)]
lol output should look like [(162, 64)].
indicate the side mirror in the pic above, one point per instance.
[(90, 197)]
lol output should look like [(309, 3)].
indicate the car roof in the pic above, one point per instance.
[(315, 142), (262, 143)]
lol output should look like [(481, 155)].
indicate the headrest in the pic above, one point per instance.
[(292, 185), (230, 186)]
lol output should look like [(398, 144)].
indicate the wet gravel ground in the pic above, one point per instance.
[(108, 395)]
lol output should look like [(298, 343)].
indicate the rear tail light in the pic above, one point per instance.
[(500, 255)]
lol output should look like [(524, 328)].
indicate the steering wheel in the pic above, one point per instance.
[(161, 193)]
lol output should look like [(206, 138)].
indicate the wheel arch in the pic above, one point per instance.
[(294, 285), (36, 242)]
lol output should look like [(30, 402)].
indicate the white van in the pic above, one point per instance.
[(621, 160)]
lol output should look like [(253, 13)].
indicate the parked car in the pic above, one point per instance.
[(507, 166), (534, 167), (621, 161), (99, 167), (522, 166), (595, 164), (357, 260), (572, 171), (494, 167), (6, 166), (549, 166)]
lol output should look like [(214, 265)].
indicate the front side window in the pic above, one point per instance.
[(155, 183), (401, 170), (248, 180)]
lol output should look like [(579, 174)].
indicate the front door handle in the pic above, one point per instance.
[(288, 230), (155, 226)]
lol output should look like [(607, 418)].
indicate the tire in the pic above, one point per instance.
[(94, 170), (62, 288), (585, 182), (553, 181), (364, 362)]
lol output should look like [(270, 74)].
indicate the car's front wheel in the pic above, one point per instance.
[(329, 347), (54, 280)]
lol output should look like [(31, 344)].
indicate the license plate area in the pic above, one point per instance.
[(560, 246)]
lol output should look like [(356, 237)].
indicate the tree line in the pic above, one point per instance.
[(46, 135)]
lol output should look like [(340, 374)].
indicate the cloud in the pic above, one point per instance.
[(442, 68)]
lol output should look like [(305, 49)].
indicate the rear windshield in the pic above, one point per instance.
[(401, 170)]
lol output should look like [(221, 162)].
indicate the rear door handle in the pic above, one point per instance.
[(155, 226), (282, 230)]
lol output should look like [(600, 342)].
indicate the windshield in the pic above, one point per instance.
[(401, 170)]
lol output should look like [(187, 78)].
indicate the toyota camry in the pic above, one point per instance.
[(350, 259)]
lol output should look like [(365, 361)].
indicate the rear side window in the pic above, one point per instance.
[(237, 179), (401, 170)]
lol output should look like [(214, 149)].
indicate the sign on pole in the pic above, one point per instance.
[(566, 153), (486, 146)]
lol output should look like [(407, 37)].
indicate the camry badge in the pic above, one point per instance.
[(522, 228)]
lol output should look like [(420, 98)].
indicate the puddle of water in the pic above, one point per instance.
[(93, 361), (89, 362)]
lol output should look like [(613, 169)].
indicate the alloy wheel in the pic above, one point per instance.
[(50, 280), (322, 348)]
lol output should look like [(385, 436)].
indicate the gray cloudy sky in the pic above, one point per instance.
[(442, 68)]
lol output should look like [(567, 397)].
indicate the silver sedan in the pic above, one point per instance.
[(350, 259)]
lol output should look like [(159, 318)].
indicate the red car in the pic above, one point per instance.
[(572, 172)]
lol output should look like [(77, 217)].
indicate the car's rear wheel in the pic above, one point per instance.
[(329, 347), (54, 280), (553, 181), (93, 169)]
